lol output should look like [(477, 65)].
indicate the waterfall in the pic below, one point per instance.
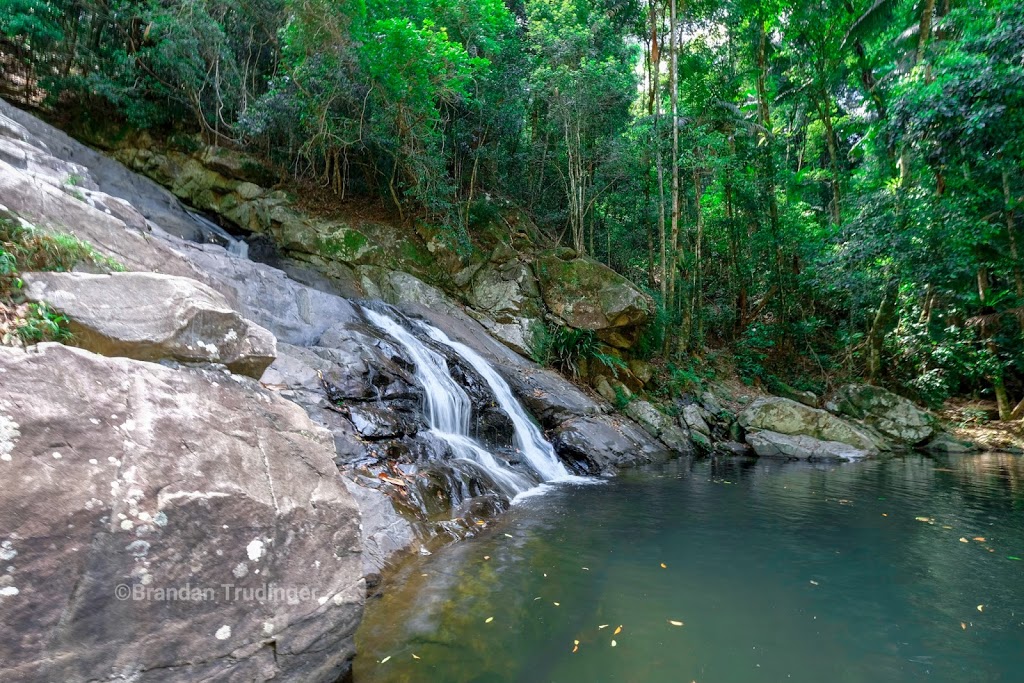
[(537, 451), (448, 407), (218, 235)]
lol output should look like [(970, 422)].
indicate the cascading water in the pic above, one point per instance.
[(214, 233), (537, 451), (448, 407)]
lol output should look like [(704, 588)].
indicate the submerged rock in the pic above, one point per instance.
[(152, 317), (125, 481)]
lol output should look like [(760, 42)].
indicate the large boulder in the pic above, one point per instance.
[(168, 525), (775, 445), (660, 426), (602, 444), (152, 317), (893, 416), (795, 419), (588, 295)]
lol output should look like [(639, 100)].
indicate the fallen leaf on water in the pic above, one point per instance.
[(575, 649), (618, 630), (964, 540), (675, 623), (487, 557), (586, 569), (481, 523), (536, 598), (1013, 557), (385, 659), (603, 626), (557, 604), (664, 566), (979, 539), (963, 626), (508, 535), (391, 480), (813, 582), (922, 519), (575, 642), (488, 620), (614, 643), (981, 608), (884, 514), (946, 526)]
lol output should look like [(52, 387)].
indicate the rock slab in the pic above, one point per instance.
[(124, 479), (153, 317)]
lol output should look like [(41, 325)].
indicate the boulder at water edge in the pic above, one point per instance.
[(894, 416), (784, 416)]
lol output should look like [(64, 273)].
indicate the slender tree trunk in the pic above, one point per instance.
[(998, 383), (833, 153), (879, 328), (674, 81)]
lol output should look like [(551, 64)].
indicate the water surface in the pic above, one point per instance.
[(778, 571)]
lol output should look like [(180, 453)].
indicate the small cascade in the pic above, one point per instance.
[(448, 408), (537, 451), (218, 235)]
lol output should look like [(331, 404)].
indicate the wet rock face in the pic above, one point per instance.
[(148, 316), (130, 474), (796, 447), (602, 444)]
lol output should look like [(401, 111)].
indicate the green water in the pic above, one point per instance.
[(779, 572)]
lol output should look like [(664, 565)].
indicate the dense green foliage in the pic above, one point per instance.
[(24, 249), (829, 189)]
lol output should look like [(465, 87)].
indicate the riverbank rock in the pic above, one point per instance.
[(660, 426), (125, 481), (788, 417), (588, 295), (604, 443), (796, 447), (152, 317), (893, 416)]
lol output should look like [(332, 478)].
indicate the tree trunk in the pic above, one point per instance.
[(998, 384), (879, 328)]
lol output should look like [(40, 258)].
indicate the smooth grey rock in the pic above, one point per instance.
[(152, 317), (789, 417), (385, 533), (122, 473), (944, 443), (693, 417), (775, 445), (659, 425)]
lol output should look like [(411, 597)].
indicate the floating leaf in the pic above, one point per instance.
[(664, 566), (586, 569), (488, 620), (675, 623), (963, 626), (981, 608), (1013, 557), (487, 557), (614, 643), (922, 519), (575, 649), (508, 535), (575, 642), (603, 626), (618, 630), (384, 661), (964, 540), (557, 604), (979, 539)]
